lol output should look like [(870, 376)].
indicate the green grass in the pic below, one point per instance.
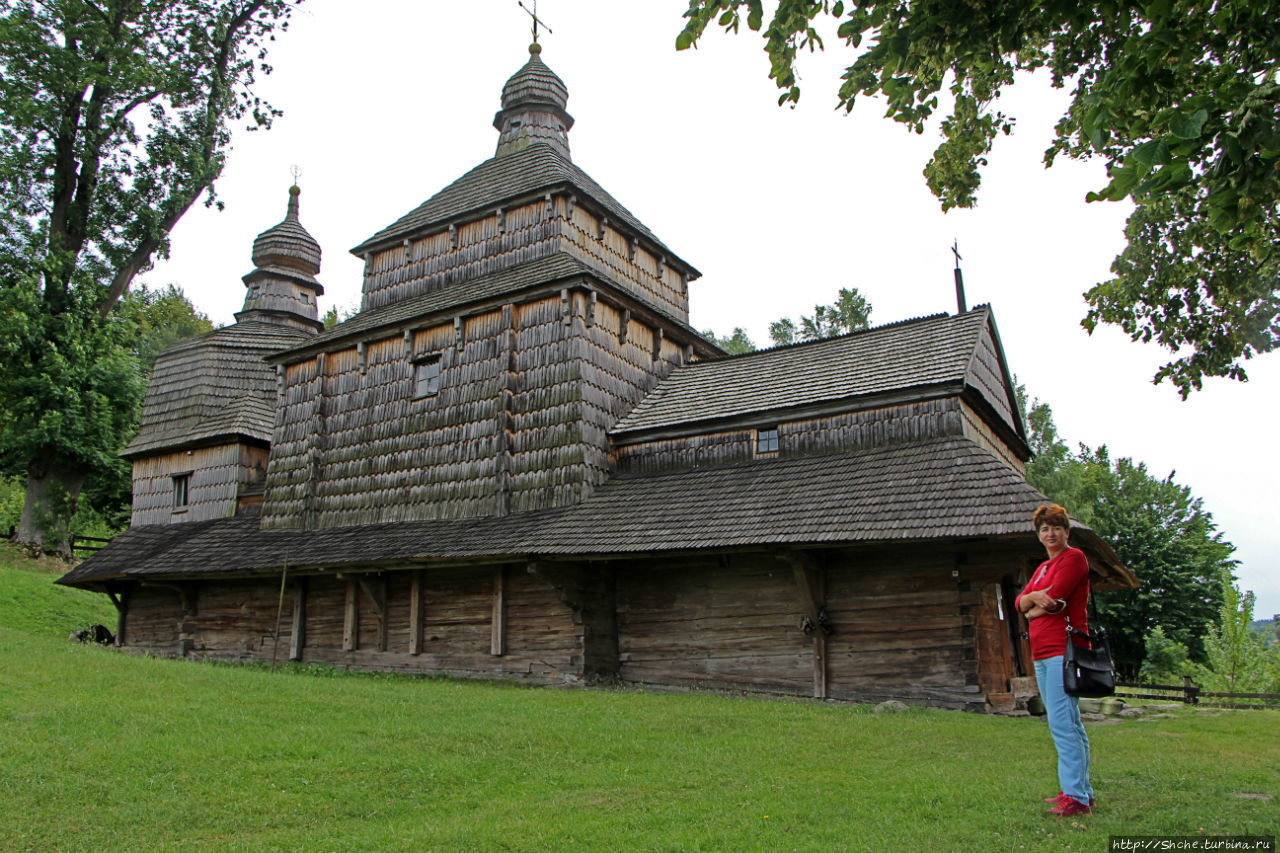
[(107, 751)]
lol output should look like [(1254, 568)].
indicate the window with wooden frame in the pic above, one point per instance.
[(426, 376), (181, 491), (766, 440)]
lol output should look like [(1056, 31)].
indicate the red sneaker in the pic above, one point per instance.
[(1069, 806), (1057, 798)]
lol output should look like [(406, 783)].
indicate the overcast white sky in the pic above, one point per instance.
[(387, 101)]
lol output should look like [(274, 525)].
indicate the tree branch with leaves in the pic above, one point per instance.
[(1180, 99)]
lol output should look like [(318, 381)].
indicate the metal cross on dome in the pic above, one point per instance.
[(536, 20), (296, 172)]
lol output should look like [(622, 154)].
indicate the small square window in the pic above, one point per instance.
[(181, 485), (767, 440), (426, 376)]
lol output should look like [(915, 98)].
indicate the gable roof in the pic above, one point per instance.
[(212, 386), (530, 171), (936, 351), (928, 490)]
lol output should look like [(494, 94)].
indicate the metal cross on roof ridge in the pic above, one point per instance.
[(536, 20), (955, 250)]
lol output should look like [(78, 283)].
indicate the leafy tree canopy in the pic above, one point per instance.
[(851, 312), (735, 344), (1181, 99), (1159, 530), (115, 118), (163, 317)]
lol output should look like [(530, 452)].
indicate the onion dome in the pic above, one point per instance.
[(533, 108), (282, 288), (288, 244)]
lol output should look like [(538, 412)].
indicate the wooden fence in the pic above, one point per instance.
[(1189, 693), (87, 544)]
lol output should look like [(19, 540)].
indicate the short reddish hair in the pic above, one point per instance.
[(1051, 514)]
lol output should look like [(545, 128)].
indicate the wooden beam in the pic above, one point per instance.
[(122, 613), (811, 586), (298, 634), (415, 612), (351, 619), (498, 635), (377, 592)]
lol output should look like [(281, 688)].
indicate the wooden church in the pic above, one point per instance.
[(518, 460)]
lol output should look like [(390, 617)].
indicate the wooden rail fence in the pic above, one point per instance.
[(87, 544), (1189, 693)]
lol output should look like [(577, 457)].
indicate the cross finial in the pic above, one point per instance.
[(955, 250), (536, 20), (296, 172)]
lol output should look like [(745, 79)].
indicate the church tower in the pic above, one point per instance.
[(203, 442), (506, 324)]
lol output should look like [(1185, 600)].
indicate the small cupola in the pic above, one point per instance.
[(282, 287), (533, 109)]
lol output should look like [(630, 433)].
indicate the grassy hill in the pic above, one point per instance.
[(113, 751)]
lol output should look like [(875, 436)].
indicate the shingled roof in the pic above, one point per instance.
[(931, 351), (521, 174), (213, 386), (937, 489)]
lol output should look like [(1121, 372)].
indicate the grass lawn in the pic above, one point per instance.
[(108, 751)]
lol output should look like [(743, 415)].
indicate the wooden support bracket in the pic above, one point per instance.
[(298, 633)]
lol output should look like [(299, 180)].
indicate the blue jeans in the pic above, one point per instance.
[(1068, 733)]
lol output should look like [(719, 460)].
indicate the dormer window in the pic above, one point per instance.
[(766, 440), (426, 376)]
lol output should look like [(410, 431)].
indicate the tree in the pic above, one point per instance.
[(1159, 531), (735, 344), (1238, 658), (1179, 98), (115, 118), (336, 315), (163, 318), (851, 312)]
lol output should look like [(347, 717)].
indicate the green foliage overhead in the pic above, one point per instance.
[(735, 344), (163, 317), (851, 312), (115, 117), (1180, 99), (1159, 530)]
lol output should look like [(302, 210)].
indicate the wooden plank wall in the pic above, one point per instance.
[(235, 620), (217, 475), (708, 623), (978, 430), (835, 433)]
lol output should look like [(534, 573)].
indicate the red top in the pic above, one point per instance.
[(1065, 576)]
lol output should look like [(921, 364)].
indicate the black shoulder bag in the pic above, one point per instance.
[(1088, 672)]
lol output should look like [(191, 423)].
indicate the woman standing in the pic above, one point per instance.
[(1058, 591)]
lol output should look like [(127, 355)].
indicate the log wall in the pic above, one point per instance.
[(921, 623), (218, 474), (236, 620)]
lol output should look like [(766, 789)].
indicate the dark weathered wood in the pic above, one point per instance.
[(415, 613), (376, 590), (351, 623), (498, 635), (298, 632)]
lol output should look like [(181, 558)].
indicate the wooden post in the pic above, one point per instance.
[(498, 636), (351, 620), (298, 635), (377, 592), (811, 586), (415, 613), (122, 609)]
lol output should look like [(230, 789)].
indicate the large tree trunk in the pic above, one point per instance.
[(53, 492)]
